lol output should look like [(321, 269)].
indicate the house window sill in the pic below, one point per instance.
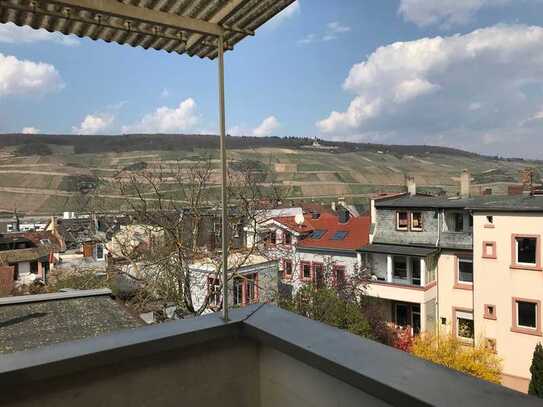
[(460, 286), (525, 267), (526, 331)]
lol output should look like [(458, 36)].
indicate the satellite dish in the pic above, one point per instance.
[(299, 219)]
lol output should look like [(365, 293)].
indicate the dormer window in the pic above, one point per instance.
[(402, 220), (416, 221)]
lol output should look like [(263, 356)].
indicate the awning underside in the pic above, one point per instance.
[(399, 250), (182, 26)]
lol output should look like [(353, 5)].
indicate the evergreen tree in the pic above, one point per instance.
[(536, 383)]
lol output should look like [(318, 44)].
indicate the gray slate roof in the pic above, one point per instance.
[(516, 203), (27, 323)]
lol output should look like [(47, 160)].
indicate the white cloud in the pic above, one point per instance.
[(454, 89), (167, 120), (94, 124), (30, 130), (19, 77), (13, 34), (264, 129), (332, 31), (446, 13), (290, 12), (267, 127)]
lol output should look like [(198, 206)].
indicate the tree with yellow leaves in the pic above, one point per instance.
[(448, 350)]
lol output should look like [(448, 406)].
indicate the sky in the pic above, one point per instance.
[(459, 73)]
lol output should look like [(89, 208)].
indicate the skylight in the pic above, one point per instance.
[(340, 235), (317, 234)]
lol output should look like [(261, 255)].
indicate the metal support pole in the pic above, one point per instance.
[(224, 234)]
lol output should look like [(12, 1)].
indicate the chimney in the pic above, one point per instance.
[(343, 215), (333, 206), (411, 185), (465, 184)]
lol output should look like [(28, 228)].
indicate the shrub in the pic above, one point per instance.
[(447, 350), (536, 383), (33, 149)]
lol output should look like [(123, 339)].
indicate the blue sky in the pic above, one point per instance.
[(463, 73)]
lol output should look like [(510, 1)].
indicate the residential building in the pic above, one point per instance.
[(508, 281), (254, 280)]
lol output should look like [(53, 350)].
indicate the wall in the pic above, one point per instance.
[(448, 295), (496, 283), (386, 228), (223, 373), (286, 382)]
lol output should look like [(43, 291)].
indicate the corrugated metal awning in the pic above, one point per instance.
[(182, 26)]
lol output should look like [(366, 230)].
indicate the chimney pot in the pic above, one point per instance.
[(411, 185)]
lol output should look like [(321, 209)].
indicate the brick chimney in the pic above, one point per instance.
[(411, 185), (465, 184)]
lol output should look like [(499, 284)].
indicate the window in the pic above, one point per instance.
[(214, 291), (465, 270), (99, 251), (526, 250), (490, 219), (287, 237), (415, 268), (287, 268), (238, 291), (318, 274), (490, 312), (464, 324), (458, 222), (251, 289), (402, 315), (340, 235), (400, 268), (238, 230), (415, 317), (34, 267), (45, 241), (490, 343), (272, 237), (339, 275), (317, 234), (489, 250), (526, 314), (306, 271), (416, 221), (402, 221)]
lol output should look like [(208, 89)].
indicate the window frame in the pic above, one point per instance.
[(490, 315), (493, 253), (514, 252), (287, 276), (525, 329), (214, 294), (337, 268), (302, 277), (314, 276), (402, 229), (459, 284), (456, 317), (394, 277), (411, 219)]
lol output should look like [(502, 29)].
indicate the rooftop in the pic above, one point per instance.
[(33, 321), (516, 203), (330, 234), (263, 356)]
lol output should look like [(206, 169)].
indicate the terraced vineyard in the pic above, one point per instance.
[(51, 182)]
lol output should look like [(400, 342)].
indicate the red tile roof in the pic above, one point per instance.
[(357, 228), (357, 231)]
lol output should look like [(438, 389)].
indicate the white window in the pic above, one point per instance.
[(465, 270), (464, 325), (526, 249), (416, 221), (526, 314), (402, 220)]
